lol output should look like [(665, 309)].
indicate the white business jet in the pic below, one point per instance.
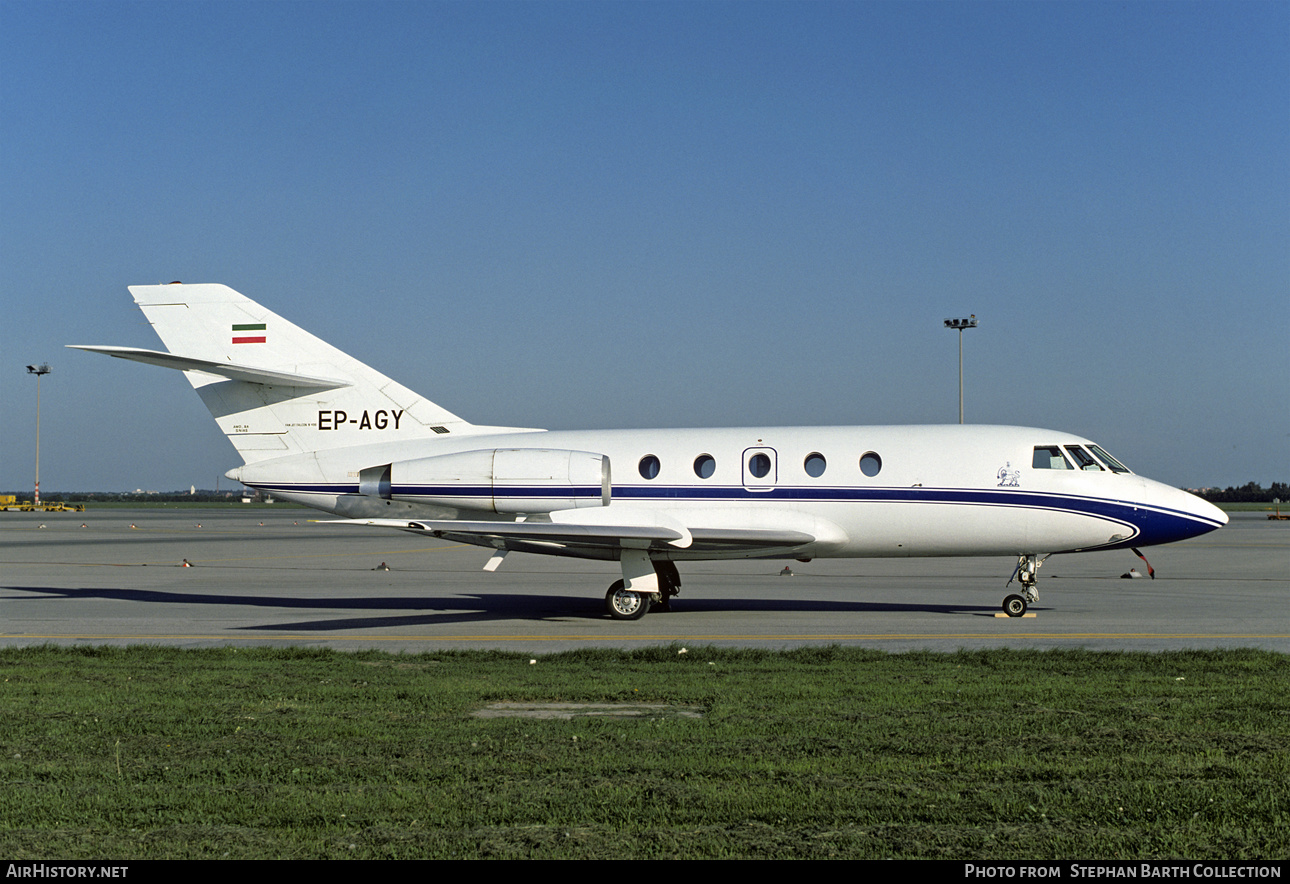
[(318, 427)]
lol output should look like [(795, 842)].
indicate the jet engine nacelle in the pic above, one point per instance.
[(499, 480)]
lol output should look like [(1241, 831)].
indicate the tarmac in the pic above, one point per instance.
[(269, 575)]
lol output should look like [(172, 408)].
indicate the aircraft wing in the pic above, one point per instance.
[(231, 370), (598, 540)]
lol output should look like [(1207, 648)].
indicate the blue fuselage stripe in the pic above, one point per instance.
[(1153, 524)]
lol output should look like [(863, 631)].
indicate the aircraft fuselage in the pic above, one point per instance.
[(883, 491)]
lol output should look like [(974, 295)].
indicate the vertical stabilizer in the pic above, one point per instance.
[(274, 388)]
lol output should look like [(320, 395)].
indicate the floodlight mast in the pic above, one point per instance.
[(39, 371), (960, 325)]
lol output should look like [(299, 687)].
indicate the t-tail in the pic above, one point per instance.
[(274, 388)]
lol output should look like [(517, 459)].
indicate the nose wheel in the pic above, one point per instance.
[(1015, 605), (1026, 573)]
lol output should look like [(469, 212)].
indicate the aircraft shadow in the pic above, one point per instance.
[(439, 611)]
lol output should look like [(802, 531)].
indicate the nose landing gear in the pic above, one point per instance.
[(1026, 573)]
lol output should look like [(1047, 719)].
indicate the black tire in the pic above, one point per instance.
[(1014, 605), (623, 604)]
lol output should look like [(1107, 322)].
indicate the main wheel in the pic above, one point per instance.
[(1014, 605), (624, 604)]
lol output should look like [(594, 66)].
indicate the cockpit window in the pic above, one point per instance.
[(1083, 460), (1049, 457), (1115, 465)]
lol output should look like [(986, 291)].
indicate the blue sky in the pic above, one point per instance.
[(662, 214)]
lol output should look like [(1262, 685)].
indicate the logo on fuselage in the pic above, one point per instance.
[(1008, 477)]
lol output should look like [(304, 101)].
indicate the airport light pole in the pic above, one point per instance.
[(961, 324), (38, 371)]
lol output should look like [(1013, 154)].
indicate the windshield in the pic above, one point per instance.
[(1111, 462)]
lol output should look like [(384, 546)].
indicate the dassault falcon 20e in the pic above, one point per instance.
[(316, 426)]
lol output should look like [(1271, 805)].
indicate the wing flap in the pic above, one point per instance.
[(729, 538)]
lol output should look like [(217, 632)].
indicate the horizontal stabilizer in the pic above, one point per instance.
[(248, 373)]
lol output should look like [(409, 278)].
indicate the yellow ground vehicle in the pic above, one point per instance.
[(9, 502)]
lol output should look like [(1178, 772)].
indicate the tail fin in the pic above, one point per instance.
[(274, 388)]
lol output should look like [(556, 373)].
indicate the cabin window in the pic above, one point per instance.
[(704, 466), (649, 467), (870, 464), (1115, 465), (1083, 460), (815, 464), (759, 465), (1049, 457)]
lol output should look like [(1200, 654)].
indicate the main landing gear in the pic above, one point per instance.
[(1026, 573), (648, 590)]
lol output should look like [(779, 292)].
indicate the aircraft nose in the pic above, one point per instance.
[(1180, 514), (1200, 509), (1206, 510)]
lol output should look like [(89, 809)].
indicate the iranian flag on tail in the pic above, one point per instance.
[(240, 335)]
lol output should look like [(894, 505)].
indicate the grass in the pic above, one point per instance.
[(820, 752), (1253, 507)]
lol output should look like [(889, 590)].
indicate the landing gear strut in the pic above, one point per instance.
[(1026, 573), (646, 583), (669, 583)]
